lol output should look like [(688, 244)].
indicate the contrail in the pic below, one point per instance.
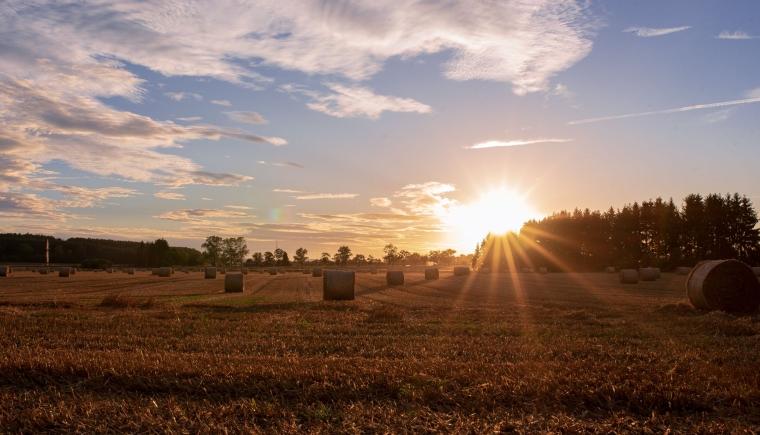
[(661, 112), (513, 143)]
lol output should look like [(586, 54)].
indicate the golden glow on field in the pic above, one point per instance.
[(496, 211)]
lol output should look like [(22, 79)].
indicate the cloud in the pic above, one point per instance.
[(179, 96), (720, 104), (513, 143), (427, 199), (189, 118), (561, 90), (42, 124), (326, 196), (247, 117), (281, 164), (753, 93), (287, 191), (648, 32), (238, 207), (224, 103), (172, 196), (355, 101), (200, 215), (737, 35), (380, 202), (718, 116)]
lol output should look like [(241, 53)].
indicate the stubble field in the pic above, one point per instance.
[(101, 352)]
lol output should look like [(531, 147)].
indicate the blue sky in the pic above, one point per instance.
[(317, 124)]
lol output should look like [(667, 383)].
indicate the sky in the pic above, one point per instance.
[(321, 123)]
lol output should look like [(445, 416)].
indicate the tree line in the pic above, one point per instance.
[(30, 248), (233, 251), (655, 233)]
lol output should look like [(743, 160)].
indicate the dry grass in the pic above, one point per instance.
[(473, 353)]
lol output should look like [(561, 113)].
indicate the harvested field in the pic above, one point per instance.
[(479, 353)]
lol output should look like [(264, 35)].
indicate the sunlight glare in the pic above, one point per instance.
[(497, 211)]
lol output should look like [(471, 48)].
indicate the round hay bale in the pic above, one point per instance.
[(273, 271), (43, 271), (154, 271), (610, 269), (64, 272), (461, 270), (130, 271), (394, 277), (649, 273), (373, 271), (629, 276), (306, 271), (431, 273), (316, 272), (164, 272), (234, 283), (209, 273), (683, 270), (543, 270), (726, 285), (338, 285), (5, 271)]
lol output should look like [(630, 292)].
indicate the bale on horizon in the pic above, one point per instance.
[(649, 273), (461, 270), (394, 277), (6, 271), (543, 270), (726, 285), (610, 269), (164, 272), (316, 272), (64, 272), (234, 283), (209, 273), (629, 276), (338, 285), (431, 273), (683, 270)]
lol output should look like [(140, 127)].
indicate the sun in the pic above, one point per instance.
[(496, 211)]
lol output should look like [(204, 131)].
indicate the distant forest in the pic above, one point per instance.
[(30, 248), (654, 233)]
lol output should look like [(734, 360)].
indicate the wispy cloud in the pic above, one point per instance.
[(172, 196), (720, 104), (311, 196), (736, 35), (225, 103), (198, 215), (648, 32), (287, 191), (380, 202), (281, 164), (189, 118), (247, 117), (354, 101), (513, 143), (179, 96)]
